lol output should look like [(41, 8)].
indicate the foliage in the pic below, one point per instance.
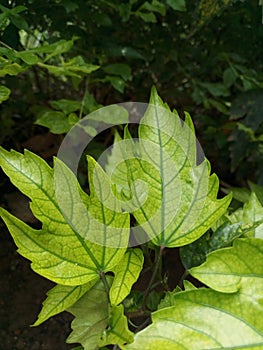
[(202, 55), (83, 247)]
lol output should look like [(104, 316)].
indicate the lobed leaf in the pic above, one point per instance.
[(62, 250), (171, 193)]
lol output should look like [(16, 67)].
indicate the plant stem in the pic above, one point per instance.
[(155, 271), (105, 283)]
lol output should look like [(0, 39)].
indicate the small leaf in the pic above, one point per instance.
[(66, 106), (91, 318), (4, 93), (147, 17), (11, 69), (117, 331), (216, 89), (27, 57), (56, 122), (240, 194), (117, 82), (177, 5), (253, 214), (61, 298), (126, 274), (61, 46), (229, 76), (258, 190), (226, 270), (120, 69)]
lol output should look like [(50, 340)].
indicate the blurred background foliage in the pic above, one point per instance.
[(62, 59)]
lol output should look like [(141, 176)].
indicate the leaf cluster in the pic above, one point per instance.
[(83, 244)]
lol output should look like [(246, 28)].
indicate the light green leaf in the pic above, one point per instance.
[(4, 93), (172, 197), (112, 115), (77, 64), (57, 122), (76, 67), (250, 217), (61, 298), (126, 274), (11, 69), (91, 318), (205, 319), (62, 251), (27, 57), (188, 285), (61, 46), (117, 331), (253, 214), (229, 269)]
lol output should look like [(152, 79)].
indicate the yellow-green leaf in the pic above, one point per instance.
[(65, 250), (61, 298), (227, 270), (126, 274)]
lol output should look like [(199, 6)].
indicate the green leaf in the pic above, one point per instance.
[(61, 298), (258, 190), (229, 77), (229, 269), (78, 64), (177, 5), (147, 17), (195, 253), (126, 274), (119, 69), (117, 82), (240, 194), (154, 6), (172, 197), (76, 67), (117, 331), (4, 93), (27, 57), (216, 89), (113, 114), (62, 251), (60, 47), (205, 319), (250, 217), (57, 122), (66, 106), (91, 318), (11, 69)]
